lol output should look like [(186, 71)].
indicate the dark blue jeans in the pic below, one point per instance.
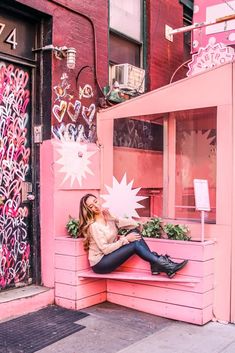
[(112, 261)]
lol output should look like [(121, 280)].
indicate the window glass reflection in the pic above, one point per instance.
[(195, 159), (138, 153)]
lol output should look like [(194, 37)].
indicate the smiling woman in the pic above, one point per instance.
[(107, 250)]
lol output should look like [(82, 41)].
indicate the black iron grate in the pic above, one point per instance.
[(34, 331)]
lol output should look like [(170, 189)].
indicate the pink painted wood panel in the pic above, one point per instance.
[(82, 303), (193, 268), (69, 246), (81, 291), (92, 300), (184, 249), (182, 313), (205, 284), (66, 277), (167, 295), (71, 262), (140, 276), (70, 291), (70, 277)]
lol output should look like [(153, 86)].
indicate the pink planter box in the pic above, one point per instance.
[(176, 300)]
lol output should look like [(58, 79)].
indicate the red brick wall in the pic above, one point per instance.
[(163, 56), (73, 30)]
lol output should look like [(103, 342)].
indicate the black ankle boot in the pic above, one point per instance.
[(165, 264)]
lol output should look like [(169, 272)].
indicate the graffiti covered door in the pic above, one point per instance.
[(15, 175)]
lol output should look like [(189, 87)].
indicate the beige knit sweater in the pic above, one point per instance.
[(104, 239)]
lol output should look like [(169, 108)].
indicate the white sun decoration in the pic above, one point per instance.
[(122, 200), (74, 159)]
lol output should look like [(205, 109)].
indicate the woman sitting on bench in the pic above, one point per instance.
[(107, 250)]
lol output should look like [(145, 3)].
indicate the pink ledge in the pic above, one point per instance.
[(27, 303)]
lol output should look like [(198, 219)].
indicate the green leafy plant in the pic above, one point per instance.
[(153, 228), (176, 231), (122, 231), (72, 227)]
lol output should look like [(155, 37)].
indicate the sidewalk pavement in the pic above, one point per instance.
[(114, 329)]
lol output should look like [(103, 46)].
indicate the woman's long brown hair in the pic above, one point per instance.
[(86, 218)]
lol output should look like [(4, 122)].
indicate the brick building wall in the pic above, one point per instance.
[(163, 56), (72, 29)]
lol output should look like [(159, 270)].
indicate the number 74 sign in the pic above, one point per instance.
[(11, 37)]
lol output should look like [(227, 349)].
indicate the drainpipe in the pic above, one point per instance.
[(94, 36)]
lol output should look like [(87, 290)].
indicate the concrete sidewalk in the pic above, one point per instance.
[(115, 329)]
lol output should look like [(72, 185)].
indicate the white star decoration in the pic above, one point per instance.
[(74, 159), (122, 199)]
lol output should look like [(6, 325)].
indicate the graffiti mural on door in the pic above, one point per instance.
[(14, 167)]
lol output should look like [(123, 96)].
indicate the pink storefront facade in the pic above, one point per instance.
[(210, 90), (157, 142)]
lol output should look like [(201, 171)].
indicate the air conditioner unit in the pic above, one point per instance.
[(129, 77)]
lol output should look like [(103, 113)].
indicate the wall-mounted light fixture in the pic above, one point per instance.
[(61, 53)]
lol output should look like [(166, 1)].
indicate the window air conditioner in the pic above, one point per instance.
[(129, 77)]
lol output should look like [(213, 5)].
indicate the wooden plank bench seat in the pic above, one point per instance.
[(139, 276)]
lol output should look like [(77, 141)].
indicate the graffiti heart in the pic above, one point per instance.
[(60, 110), (74, 110), (81, 127)]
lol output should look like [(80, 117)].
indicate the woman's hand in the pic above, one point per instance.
[(133, 237)]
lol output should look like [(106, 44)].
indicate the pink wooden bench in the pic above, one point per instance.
[(188, 296)]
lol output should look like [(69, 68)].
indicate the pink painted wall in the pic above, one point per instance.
[(222, 32), (59, 200)]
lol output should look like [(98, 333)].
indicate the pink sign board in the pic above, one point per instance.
[(210, 10)]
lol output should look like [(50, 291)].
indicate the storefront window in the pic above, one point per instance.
[(138, 155), (195, 159)]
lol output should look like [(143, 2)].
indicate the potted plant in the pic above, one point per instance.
[(153, 228), (176, 231), (72, 227)]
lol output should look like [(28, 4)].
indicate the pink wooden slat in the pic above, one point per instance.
[(71, 277), (81, 303), (183, 249), (171, 311), (78, 292), (72, 263), (89, 301), (193, 268), (165, 295), (205, 284), (69, 246), (140, 276), (92, 288), (65, 303), (66, 277)]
